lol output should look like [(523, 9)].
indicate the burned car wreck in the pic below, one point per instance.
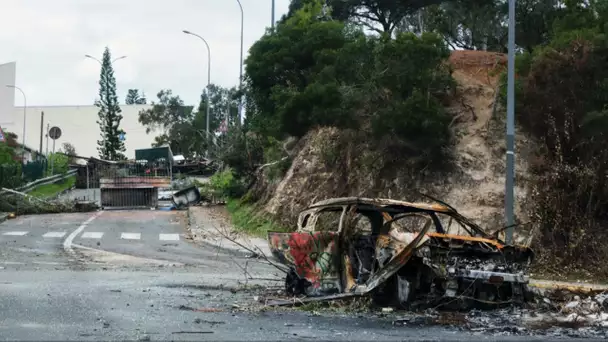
[(404, 254)]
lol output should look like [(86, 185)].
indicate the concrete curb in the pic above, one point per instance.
[(571, 287), (222, 243), (3, 217)]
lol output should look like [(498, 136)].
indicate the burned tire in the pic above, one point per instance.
[(294, 285)]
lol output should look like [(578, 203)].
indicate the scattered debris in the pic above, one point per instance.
[(407, 254), (212, 323), (186, 197), (188, 308)]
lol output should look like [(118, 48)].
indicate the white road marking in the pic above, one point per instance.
[(130, 236), (54, 234), (91, 235), (168, 237), (15, 233), (67, 243)]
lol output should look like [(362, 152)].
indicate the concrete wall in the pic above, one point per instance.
[(79, 127), (7, 95), (78, 123)]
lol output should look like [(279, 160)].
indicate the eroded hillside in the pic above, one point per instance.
[(328, 162)]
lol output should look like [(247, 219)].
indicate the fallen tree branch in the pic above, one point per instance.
[(259, 253), (24, 195)]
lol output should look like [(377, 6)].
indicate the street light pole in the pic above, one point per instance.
[(208, 83), (98, 61), (272, 16), (241, 67), (510, 175), (24, 122)]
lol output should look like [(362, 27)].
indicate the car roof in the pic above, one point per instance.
[(381, 202)]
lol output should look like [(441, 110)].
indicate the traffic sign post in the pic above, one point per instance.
[(2, 139), (54, 133)]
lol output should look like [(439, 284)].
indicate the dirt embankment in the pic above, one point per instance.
[(329, 162)]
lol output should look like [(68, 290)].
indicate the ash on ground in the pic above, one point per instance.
[(557, 314)]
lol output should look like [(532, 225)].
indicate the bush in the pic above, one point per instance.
[(59, 163), (10, 175), (226, 184), (563, 107)]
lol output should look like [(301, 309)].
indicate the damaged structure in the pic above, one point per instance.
[(403, 253)]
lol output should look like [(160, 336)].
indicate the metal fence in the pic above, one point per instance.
[(34, 170), (123, 184)]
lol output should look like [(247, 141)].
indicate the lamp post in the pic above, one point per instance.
[(24, 122), (241, 67), (98, 61), (208, 83), (510, 175), (272, 15)]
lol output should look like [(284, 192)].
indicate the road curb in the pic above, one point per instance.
[(223, 243), (3, 217)]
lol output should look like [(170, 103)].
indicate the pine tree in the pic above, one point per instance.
[(109, 147)]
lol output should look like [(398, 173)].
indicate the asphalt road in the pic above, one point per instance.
[(113, 276)]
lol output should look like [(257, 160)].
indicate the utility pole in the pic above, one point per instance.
[(509, 179), (47, 140), (41, 129)]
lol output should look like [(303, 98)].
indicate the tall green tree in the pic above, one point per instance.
[(109, 146), (381, 16), (183, 128), (224, 105), (179, 126), (134, 97)]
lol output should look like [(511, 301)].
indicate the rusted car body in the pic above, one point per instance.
[(405, 252)]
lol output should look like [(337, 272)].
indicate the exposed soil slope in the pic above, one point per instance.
[(332, 163)]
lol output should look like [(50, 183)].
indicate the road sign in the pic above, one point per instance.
[(121, 136), (55, 133), (2, 139)]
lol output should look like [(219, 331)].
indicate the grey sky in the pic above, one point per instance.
[(49, 38)]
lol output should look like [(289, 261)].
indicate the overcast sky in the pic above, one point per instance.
[(49, 38)]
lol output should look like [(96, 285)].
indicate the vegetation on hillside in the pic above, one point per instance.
[(54, 189), (563, 102), (378, 68)]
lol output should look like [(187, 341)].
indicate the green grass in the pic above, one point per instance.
[(51, 190), (249, 219)]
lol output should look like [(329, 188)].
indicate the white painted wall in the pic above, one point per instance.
[(79, 127), (7, 95)]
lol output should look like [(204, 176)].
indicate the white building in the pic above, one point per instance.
[(77, 123)]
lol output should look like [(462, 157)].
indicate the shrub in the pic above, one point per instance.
[(227, 184), (59, 163)]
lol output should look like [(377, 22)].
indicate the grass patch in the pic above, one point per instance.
[(51, 190), (249, 219)]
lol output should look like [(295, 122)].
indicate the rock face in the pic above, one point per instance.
[(329, 162)]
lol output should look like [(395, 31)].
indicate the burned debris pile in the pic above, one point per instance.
[(403, 254)]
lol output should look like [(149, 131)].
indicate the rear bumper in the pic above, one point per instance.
[(492, 277)]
